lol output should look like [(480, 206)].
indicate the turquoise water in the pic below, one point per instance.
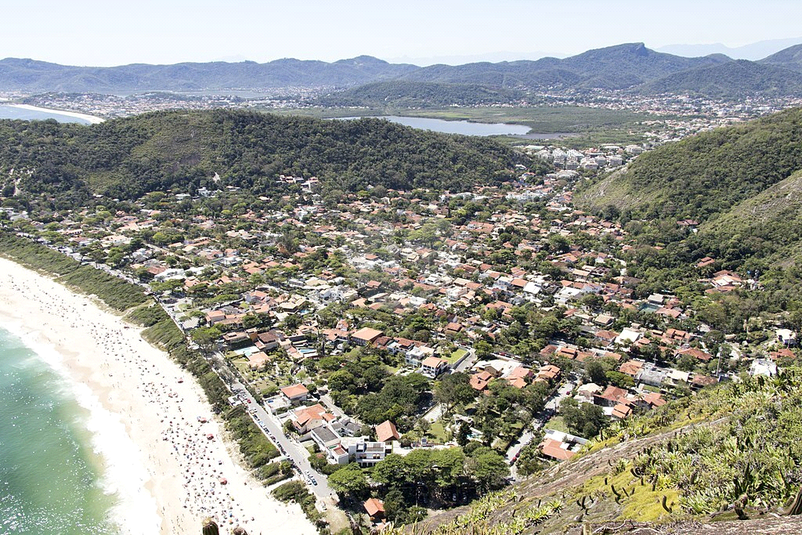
[(8, 112), (50, 480)]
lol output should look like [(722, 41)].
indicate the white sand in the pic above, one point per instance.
[(153, 440), (91, 118)]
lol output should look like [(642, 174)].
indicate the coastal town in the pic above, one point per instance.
[(499, 328)]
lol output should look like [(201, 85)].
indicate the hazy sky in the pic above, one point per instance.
[(116, 32)]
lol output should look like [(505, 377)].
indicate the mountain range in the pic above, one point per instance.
[(629, 67), (752, 51)]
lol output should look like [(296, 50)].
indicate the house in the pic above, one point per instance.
[(295, 393), (257, 360), (519, 376), (631, 367), (560, 446), (431, 367), (627, 336), (696, 353), (555, 450), (786, 337), (453, 328), (652, 376), (548, 373), (386, 432), (621, 411), (308, 418), (762, 367), (236, 339), (611, 396), (325, 438), (416, 355), (365, 336), (586, 392), (366, 454), (375, 509), (215, 316), (479, 381)]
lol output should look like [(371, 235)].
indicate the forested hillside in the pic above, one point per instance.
[(703, 175), (420, 94), (731, 80), (127, 158), (732, 195)]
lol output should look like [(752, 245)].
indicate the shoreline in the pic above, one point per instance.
[(143, 416), (91, 118)]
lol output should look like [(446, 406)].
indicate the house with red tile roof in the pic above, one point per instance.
[(295, 393), (387, 432), (375, 509), (365, 336), (308, 418)]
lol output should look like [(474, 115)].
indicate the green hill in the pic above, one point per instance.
[(704, 175), (419, 94), (790, 58), (183, 151), (731, 80)]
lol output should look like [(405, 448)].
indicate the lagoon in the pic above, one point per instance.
[(465, 128)]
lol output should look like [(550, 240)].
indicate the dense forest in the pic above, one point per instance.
[(420, 94), (703, 175), (185, 151)]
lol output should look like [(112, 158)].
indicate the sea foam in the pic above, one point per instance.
[(123, 474)]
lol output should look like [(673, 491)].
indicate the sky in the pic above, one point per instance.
[(118, 32)]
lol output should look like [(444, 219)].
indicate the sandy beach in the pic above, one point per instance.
[(166, 467), (91, 118)]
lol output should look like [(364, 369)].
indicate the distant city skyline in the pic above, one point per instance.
[(102, 33)]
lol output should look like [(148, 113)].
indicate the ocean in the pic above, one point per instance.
[(51, 476), (9, 112)]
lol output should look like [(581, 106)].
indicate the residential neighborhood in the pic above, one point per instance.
[(375, 326)]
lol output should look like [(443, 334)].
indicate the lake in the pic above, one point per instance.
[(465, 128)]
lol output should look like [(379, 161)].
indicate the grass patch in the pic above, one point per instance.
[(456, 355), (557, 424), (642, 503), (438, 432)]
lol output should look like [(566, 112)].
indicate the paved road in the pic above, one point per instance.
[(540, 420), (271, 426), (268, 422), (327, 402), (434, 413)]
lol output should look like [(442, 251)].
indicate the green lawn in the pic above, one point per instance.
[(456, 355), (437, 433), (558, 424)]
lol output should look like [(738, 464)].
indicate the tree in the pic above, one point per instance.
[(483, 349), (529, 460), (395, 506), (391, 472), (594, 370), (463, 434), (351, 480), (583, 419), (453, 389), (206, 337), (488, 468)]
